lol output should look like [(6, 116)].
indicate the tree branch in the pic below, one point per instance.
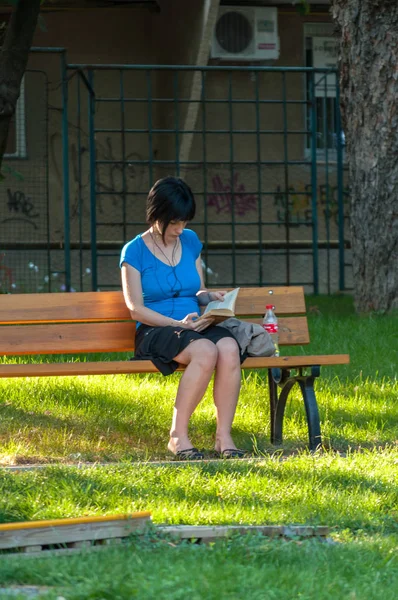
[(14, 56)]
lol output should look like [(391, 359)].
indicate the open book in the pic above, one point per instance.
[(222, 309)]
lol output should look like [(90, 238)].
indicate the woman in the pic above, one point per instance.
[(163, 287)]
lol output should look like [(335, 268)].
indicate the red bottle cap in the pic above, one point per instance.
[(269, 306)]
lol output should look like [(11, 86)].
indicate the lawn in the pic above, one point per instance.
[(115, 427)]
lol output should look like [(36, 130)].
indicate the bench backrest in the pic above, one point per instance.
[(100, 321)]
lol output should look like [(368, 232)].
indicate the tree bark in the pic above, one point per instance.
[(369, 91), (13, 59)]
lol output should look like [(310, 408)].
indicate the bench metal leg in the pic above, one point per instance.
[(281, 378)]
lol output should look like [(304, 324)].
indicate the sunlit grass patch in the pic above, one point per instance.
[(358, 491)]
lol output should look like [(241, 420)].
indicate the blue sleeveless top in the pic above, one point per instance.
[(170, 291)]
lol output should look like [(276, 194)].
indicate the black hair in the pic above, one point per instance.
[(170, 199)]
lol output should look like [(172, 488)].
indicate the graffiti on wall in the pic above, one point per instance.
[(227, 196), (298, 210), (20, 208), (117, 178), (113, 178)]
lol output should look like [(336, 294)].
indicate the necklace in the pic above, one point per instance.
[(173, 254), (172, 264)]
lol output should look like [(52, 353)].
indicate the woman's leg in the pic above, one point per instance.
[(226, 391), (200, 357)]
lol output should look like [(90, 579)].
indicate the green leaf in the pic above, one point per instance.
[(303, 7), (6, 169)]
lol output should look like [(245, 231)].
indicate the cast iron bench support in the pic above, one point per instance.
[(281, 378)]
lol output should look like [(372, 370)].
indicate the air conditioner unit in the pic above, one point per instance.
[(246, 33)]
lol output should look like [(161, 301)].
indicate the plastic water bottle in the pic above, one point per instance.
[(270, 324)]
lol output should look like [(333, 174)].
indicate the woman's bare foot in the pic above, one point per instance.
[(183, 450), (224, 442), (179, 443)]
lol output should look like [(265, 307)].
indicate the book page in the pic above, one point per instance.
[(217, 315), (228, 302)]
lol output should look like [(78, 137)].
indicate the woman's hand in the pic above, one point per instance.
[(219, 295), (191, 322), (205, 296)]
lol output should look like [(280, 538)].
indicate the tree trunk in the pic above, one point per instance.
[(369, 92), (13, 59)]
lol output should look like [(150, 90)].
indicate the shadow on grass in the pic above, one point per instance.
[(129, 430), (126, 426)]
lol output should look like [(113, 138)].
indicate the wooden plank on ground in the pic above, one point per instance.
[(209, 533), (35, 534), (191, 532)]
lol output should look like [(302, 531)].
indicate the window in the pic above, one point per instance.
[(16, 141), (321, 51)]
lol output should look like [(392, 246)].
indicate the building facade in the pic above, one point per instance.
[(117, 95)]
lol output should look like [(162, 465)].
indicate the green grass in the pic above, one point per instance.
[(112, 418), (252, 567), (358, 491), (351, 485)]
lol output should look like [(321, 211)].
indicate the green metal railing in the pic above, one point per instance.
[(245, 237), (261, 147)]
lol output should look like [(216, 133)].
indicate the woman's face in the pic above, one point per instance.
[(173, 230)]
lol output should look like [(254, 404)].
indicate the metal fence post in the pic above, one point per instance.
[(93, 184), (314, 183), (65, 168)]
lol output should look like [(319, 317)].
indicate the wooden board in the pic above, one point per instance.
[(71, 338), (287, 300), (146, 366), (61, 531), (209, 533), (75, 338), (62, 307), (110, 306), (185, 532)]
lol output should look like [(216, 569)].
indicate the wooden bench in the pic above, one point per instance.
[(92, 322)]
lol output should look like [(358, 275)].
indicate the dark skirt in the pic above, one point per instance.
[(162, 344)]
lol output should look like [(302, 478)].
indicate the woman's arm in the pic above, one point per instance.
[(204, 296), (132, 292)]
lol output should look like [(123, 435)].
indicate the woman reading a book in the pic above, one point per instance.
[(163, 288)]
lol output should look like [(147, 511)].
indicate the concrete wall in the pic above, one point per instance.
[(179, 34)]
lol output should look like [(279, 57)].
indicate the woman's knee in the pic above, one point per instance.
[(228, 350), (205, 353)]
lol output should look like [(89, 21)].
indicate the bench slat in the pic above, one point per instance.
[(67, 338), (293, 331), (74, 338), (146, 366), (110, 306), (62, 307)]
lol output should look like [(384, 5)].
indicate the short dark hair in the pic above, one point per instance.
[(170, 199)]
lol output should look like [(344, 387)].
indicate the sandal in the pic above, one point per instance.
[(232, 453), (189, 454)]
